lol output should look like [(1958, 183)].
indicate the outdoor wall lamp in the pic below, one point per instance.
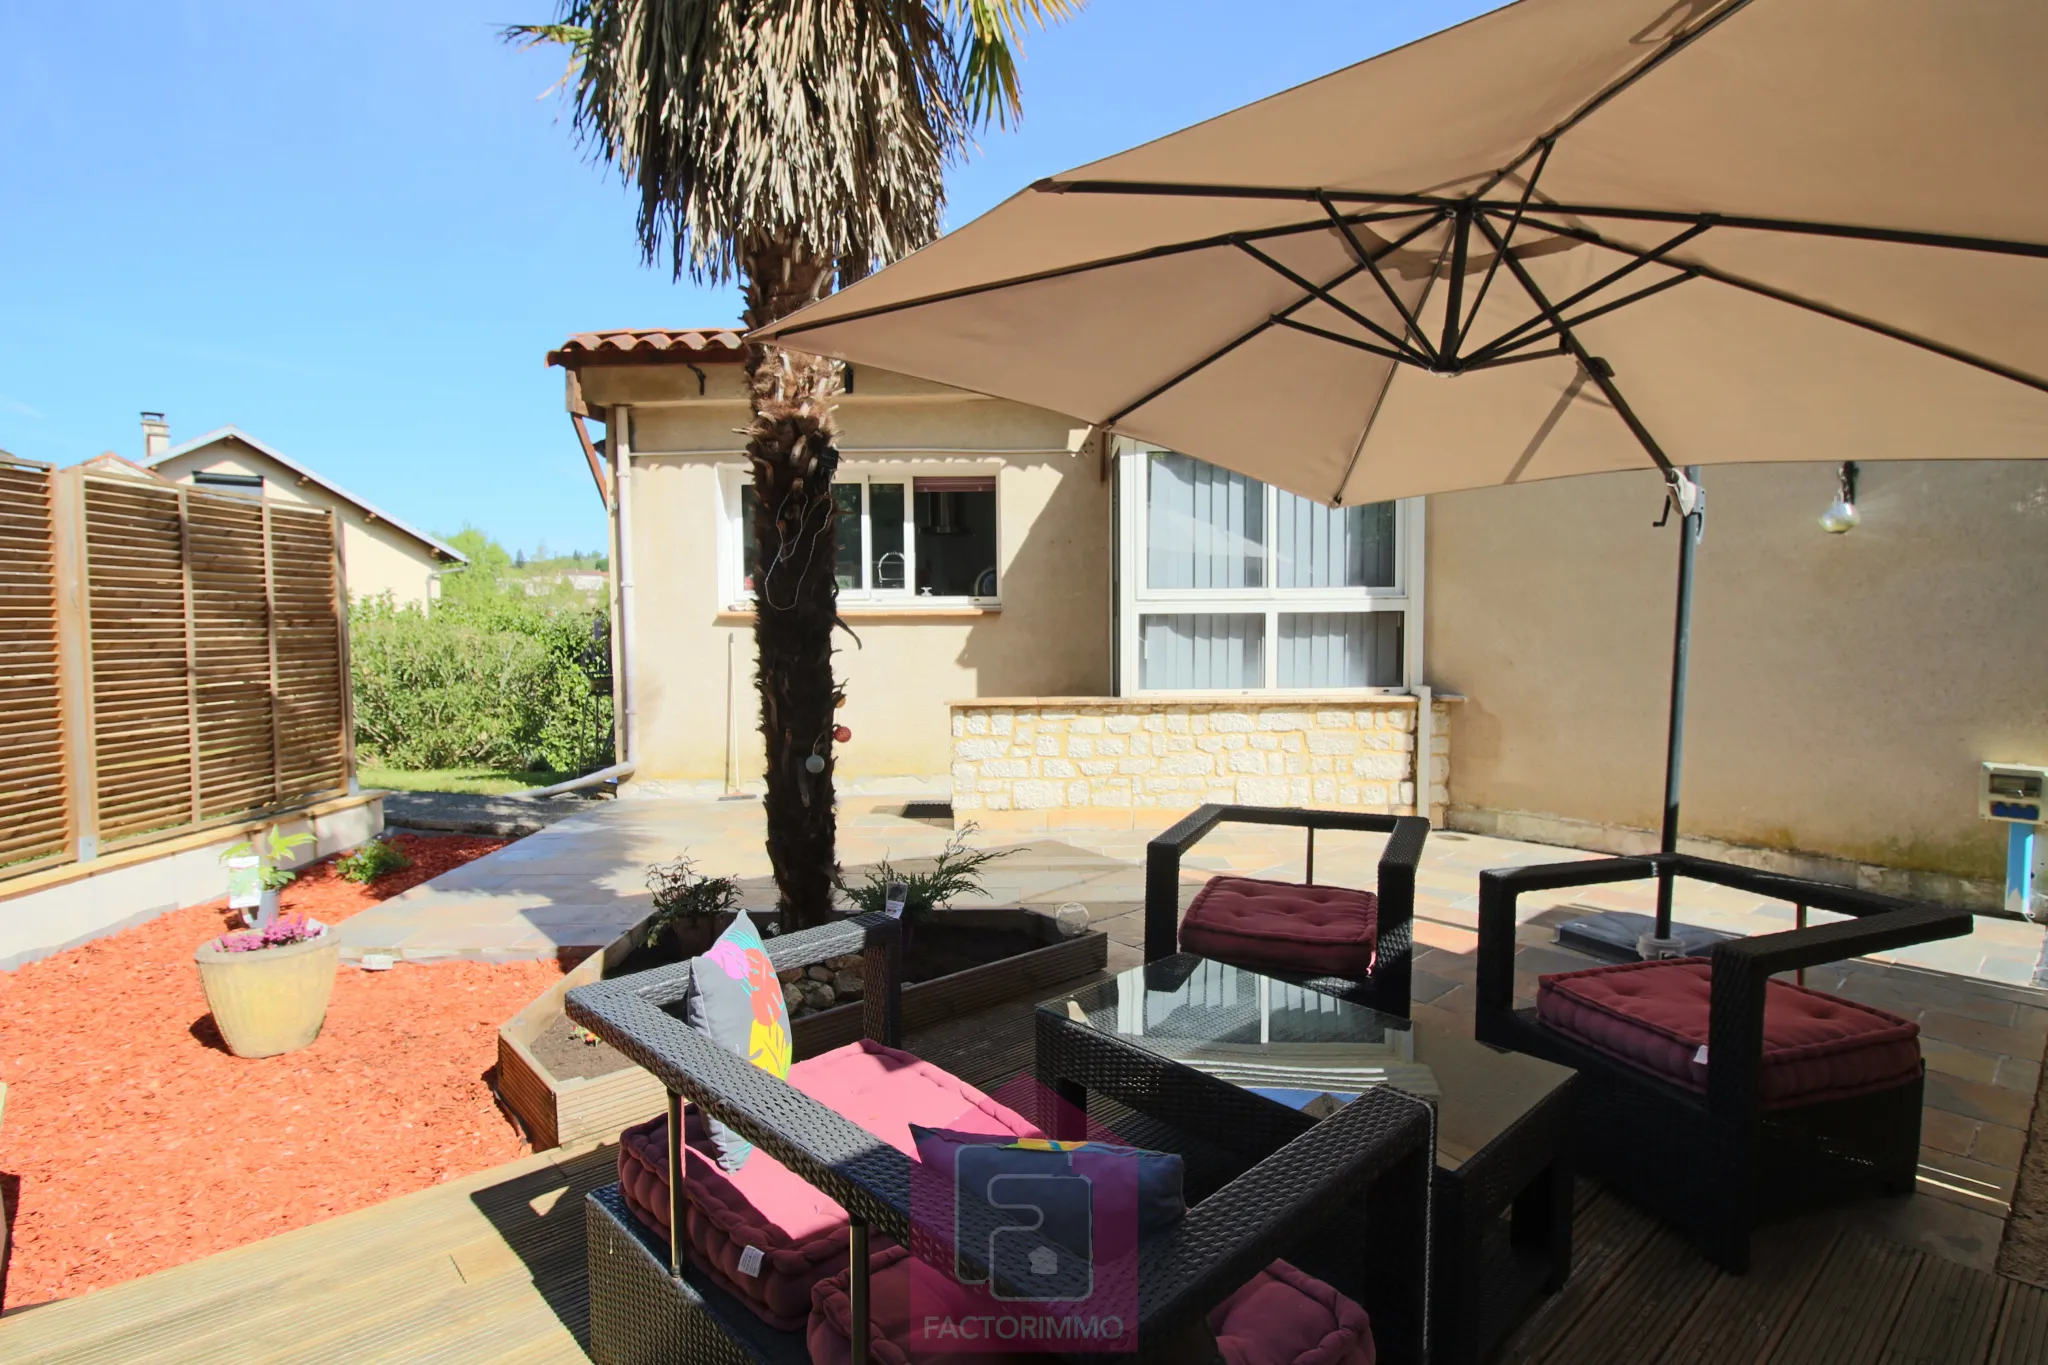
[(1843, 516)]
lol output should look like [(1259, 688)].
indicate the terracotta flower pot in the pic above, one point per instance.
[(270, 1000)]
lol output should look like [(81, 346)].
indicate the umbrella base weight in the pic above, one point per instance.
[(1620, 936)]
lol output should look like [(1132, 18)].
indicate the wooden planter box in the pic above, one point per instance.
[(562, 1112)]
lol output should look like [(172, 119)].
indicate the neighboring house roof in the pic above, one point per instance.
[(650, 345), (107, 462), (230, 433)]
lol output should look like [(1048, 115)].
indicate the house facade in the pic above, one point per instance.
[(381, 554), (1053, 629)]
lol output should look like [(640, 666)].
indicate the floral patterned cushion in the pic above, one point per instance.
[(735, 1000)]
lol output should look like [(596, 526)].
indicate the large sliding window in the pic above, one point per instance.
[(910, 539), (1229, 584)]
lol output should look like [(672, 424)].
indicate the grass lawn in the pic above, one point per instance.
[(475, 781)]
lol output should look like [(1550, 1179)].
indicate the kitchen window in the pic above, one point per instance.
[(911, 539), (1228, 584)]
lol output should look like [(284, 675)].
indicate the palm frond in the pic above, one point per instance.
[(819, 129)]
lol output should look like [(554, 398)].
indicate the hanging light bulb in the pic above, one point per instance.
[(1842, 516)]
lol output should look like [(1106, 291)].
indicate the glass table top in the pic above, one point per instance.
[(1312, 1051)]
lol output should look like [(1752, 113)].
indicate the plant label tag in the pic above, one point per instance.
[(750, 1261), (894, 898), (245, 882)]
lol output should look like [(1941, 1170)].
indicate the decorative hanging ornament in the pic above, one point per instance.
[(814, 764), (841, 733)]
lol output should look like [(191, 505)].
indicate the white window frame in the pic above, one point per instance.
[(733, 537), (1136, 600)]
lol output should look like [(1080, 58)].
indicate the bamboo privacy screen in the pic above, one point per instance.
[(184, 651)]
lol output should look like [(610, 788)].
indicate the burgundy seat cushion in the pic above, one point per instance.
[(799, 1233), (1280, 1317), (1653, 1015), (1319, 930)]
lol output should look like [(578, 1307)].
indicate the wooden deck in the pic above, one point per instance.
[(490, 1269)]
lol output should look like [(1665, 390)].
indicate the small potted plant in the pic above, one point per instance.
[(955, 872), (256, 876), (267, 988), (690, 909)]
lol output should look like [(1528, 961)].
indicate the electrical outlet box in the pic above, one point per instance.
[(2014, 792)]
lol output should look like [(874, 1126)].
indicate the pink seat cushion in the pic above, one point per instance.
[(1653, 1015), (1318, 930), (1280, 1317), (800, 1233)]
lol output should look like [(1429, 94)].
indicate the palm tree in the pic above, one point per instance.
[(793, 145)]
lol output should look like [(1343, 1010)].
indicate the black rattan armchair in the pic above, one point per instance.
[(1386, 987), (648, 1304), (1718, 1164)]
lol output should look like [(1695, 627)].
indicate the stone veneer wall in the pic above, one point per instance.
[(1034, 762)]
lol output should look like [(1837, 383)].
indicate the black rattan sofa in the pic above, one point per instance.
[(1369, 1164), (1716, 1164), (1386, 986)]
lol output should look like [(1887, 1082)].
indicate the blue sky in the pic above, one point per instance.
[(352, 230)]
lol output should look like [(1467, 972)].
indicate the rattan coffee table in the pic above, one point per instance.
[(1244, 1060)]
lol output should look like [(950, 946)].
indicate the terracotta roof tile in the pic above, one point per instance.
[(643, 345)]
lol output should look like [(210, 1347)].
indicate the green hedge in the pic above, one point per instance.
[(491, 679)]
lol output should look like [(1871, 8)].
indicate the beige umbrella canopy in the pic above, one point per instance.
[(1567, 237), (1737, 230)]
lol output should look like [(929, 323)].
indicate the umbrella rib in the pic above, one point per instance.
[(1582, 319), (1465, 327), (1642, 258), (1401, 350), (1602, 373), (1295, 307), (1404, 357), (1674, 45), (1952, 241), (1826, 310), (1365, 259), (1105, 263)]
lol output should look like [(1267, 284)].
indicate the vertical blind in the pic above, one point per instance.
[(1205, 526), (1333, 547), (1183, 653), (1340, 649)]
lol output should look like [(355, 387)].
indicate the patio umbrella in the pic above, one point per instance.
[(1567, 237)]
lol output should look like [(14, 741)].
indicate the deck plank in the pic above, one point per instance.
[(2023, 1328), (1740, 1316), (1949, 1316), (1848, 1316), (1656, 1288), (1606, 1233)]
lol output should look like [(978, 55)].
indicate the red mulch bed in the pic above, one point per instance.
[(134, 1141)]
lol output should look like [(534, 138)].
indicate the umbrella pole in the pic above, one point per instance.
[(1689, 527)]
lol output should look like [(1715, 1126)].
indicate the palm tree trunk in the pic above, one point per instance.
[(791, 445)]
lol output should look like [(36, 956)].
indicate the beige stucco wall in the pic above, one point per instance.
[(1844, 688), (378, 558), (691, 657)]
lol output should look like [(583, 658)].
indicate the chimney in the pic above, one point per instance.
[(156, 436)]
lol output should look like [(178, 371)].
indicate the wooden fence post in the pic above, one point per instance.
[(270, 636), (191, 651), (74, 646), (348, 690)]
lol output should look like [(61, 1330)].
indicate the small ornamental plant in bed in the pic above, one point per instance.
[(256, 873), (955, 872), (281, 932), (690, 909), (371, 861), (268, 988)]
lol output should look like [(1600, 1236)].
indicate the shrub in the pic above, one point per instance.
[(681, 893), (486, 678), (955, 872), (372, 861)]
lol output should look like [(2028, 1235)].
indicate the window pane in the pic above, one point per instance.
[(1204, 526), (885, 537), (1340, 649), (956, 537), (846, 564), (1195, 653), (1334, 547), (749, 500)]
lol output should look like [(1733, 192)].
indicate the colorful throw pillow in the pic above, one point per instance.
[(736, 1000)]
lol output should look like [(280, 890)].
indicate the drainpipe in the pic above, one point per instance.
[(1425, 708), (619, 443)]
